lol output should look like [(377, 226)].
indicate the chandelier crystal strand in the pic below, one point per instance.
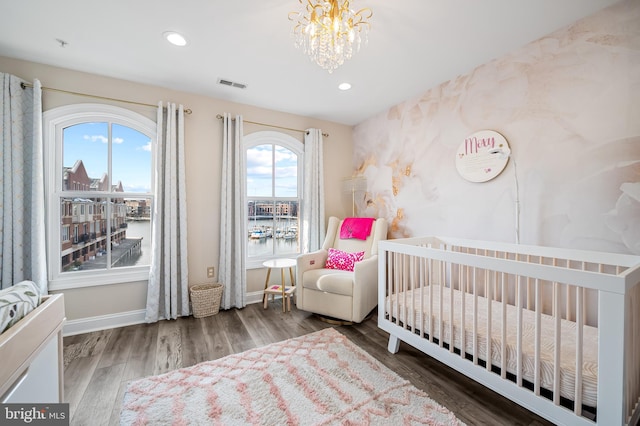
[(330, 32)]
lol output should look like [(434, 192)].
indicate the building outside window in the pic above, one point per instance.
[(99, 163)]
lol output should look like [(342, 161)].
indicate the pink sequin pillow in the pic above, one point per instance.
[(342, 260)]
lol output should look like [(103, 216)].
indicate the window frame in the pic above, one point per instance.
[(297, 147), (55, 121)]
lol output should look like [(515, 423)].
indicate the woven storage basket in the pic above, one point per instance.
[(205, 299)]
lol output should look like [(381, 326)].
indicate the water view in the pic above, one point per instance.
[(136, 230), (266, 237)]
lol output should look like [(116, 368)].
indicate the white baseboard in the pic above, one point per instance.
[(122, 319), (103, 322), (254, 297)]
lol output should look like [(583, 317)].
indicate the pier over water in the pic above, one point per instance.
[(124, 254)]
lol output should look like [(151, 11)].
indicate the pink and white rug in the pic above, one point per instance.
[(318, 379)]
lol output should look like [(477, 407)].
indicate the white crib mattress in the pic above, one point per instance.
[(547, 344)]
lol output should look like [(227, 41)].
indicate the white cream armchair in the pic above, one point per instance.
[(345, 295)]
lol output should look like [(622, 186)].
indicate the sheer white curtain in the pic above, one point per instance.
[(233, 214), (22, 231), (313, 192), (168, 293)]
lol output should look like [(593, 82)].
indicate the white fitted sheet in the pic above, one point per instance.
[(401, 307)]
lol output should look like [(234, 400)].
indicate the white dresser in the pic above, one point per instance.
[(31, 356)]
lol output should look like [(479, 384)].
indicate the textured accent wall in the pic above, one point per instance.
[(569, 107)]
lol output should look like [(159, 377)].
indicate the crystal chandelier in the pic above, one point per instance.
[(330, 32)]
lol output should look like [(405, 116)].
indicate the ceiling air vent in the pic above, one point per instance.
[(231, 83)]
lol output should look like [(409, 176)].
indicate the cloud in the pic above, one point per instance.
[(285, 155), (286, 172), (96, 138), (136, 188), (101, 138), (260, 161), (145, 147), (258, 156), (260, 171)]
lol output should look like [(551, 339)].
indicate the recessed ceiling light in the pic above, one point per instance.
[(175, 38), (344, 86)]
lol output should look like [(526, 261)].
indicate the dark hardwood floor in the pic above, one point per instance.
[(98, 365)]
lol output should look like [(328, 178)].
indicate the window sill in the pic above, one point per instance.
[(83, 279)]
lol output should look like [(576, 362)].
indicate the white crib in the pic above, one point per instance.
[(555, 330)]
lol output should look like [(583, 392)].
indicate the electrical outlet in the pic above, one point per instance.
[(211, 272)]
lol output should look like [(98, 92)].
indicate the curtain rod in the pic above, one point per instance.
[(220, 117), (52, 89)]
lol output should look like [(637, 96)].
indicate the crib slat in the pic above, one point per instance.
[(489, 338), (579, 347), (519, 332), (390, 275), (396, 284), (452, 338), (403, 277), (390, 266), (467, 288), (536, 371), (412, 284), (503, 354), (496, 291), (557, 344), (475, 318), (440, 303), (463, 310), (431, 284), (400, 289), (529, 296), (554, 296), (400, 298), (393, 285), (405, 291), (423, 281), (569, 314)]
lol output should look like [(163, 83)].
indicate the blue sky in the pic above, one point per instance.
[(260, 163), (131, 159), (131, 153)]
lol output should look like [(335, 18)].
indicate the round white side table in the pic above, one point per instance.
[(281, 289)]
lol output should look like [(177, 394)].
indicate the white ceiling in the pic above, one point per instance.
[(414, 45)]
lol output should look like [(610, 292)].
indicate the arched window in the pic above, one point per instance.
[(99, 187), (274, 192)]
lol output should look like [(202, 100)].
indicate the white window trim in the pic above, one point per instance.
[(54, 121), (286, 141)]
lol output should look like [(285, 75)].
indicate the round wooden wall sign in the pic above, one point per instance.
[(482, 156)]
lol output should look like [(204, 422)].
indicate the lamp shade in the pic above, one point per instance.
[(351, 185), (354, 184)]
